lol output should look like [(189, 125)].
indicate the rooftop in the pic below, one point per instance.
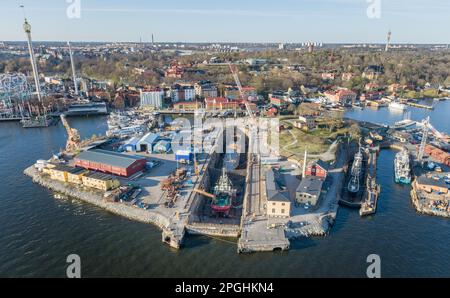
[(99, 176), (108, 157), (424, 180), (311, 185), (272, 190)]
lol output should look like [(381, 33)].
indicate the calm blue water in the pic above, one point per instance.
[(440, 116), (37, 231)]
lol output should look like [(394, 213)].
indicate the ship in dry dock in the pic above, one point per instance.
[(353, 186)]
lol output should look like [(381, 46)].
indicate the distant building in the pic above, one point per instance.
[(189, 93), (181, 93), (308, 191), (174, 71), (347, 76), (307, 89), (371, 95), (256, 62), (278, 203), (205, 89), (372, 72), (328, 76), (187, 106), (250, 93), (221, 103), (232, 92), (394, 88), (342, 96), (307, 122), (371, 87), (153, 98)]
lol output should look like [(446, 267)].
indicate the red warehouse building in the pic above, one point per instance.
[(110, 162), (318, 169)]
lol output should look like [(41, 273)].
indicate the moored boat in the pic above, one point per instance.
[(402, 168)]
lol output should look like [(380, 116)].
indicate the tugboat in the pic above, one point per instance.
[(355, 174), (401, 167), (224, 194)]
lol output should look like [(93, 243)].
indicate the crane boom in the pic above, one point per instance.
[(239, 85), (73, 137), (206, 194)]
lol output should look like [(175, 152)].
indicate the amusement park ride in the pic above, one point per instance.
[(16, 94)]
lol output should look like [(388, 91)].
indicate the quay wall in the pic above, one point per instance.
[(424, 210), (95, 198), (232, 231)]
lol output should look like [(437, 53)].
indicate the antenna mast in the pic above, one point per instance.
[(388, 41)]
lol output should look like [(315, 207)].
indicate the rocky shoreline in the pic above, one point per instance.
[(96, 198)]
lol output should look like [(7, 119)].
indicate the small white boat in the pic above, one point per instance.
[(397, 106)]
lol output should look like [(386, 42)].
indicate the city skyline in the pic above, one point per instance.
[(286, 21)]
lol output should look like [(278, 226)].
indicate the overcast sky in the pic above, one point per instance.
[(328, 21)]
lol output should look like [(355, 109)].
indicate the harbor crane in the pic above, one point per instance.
[(73, 137), (234, 72), (424, 139)]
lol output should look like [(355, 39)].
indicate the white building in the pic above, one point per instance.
[(189, 93), (152, 98)]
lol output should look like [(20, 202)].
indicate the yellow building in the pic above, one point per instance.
[(75, 175), (278, 208), (64, 173), (278, 204), (100, 181), (58, 172)]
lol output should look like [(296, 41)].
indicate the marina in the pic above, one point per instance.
[(247, 159)]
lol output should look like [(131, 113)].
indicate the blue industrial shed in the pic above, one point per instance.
[(130, 145), (147, 142)]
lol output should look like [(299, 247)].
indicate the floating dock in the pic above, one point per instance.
[(418, 105)]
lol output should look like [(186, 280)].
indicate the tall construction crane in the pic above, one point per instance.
[(424, 139), (234, 72), (73, 137)]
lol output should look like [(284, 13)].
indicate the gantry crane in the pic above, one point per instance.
[(73, 137)]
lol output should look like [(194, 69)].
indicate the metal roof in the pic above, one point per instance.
[(66, 168), (424, 180), (149, 138), (273, 193), (108, 157), (323, 164), (310, 185), (99, 176), (132, 141)]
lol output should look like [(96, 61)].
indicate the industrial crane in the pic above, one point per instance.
[(73, 137), (424, 139), (234, 72), (206, 194)]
